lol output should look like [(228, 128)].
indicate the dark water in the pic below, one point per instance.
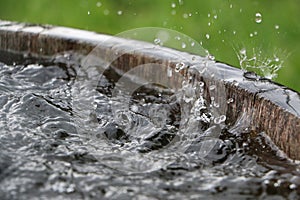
[(65, 137)]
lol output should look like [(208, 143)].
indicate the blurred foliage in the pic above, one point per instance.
[(229, 23)]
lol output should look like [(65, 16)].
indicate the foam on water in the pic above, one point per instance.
[(165, 144)]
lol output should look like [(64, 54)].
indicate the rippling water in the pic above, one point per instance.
[(64, 138)]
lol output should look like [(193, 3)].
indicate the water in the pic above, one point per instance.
[(165, 145)]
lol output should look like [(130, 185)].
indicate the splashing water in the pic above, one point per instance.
[(257, 61)]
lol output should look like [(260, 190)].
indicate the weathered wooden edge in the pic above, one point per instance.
[(270, 107)]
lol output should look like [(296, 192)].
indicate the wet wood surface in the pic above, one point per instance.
[(255, 103)]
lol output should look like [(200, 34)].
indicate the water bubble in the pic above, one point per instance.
[(276, 27), (98, 4), (120, 12), (173, 5), (258, 18), (207, 36)]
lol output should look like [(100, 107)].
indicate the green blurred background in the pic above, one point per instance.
[(230, 24)]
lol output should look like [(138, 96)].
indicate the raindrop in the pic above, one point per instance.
[(120, 12), (190, 14), (193, 44), (173, 5), (258, 18), (255, 32), (98, 4), (276, 27), (230, 6), (251, 35), (88, 12), (208, 15), (209, 24), (183, 45), (157, 41), (234, 32), (216, 16), (207, 36)]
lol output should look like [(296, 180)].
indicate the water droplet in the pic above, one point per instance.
[(180, 66), (173, 5), (193, 44), (98, 4), (209, 24), (157, 41), (106, 12), (243, 51), (88, 12), (212, 87), (251, 35), (230, 6), (234, 32), (216, 16), (173, 12), (177, 38), (190, 14), (207, 36), (293, 186), (183, 45), (258, 18), (180, 2), (219, 120), (208, 15), (230, 100), (276, 27), (211, 57), (120, 12), (185, 16)]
